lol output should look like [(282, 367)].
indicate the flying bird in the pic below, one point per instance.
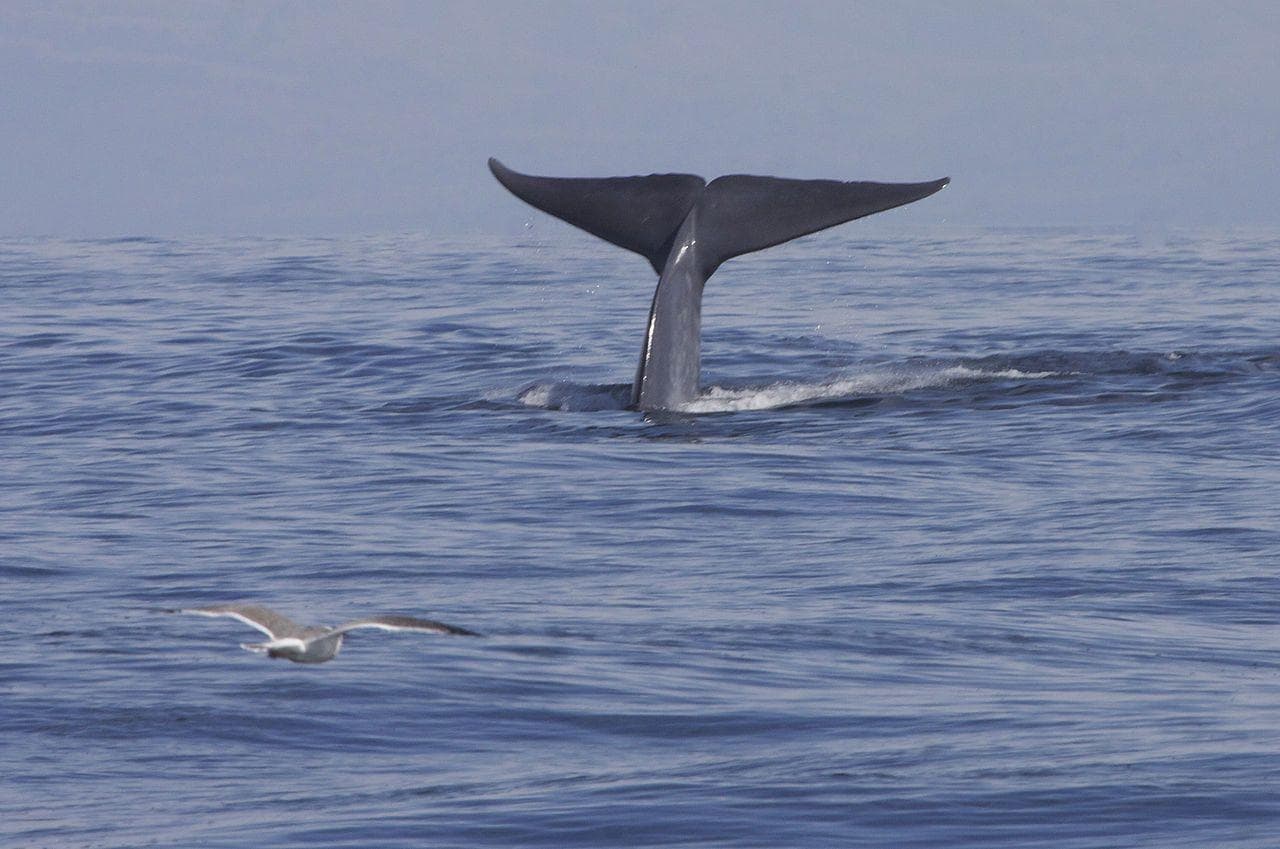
[(311, 643)]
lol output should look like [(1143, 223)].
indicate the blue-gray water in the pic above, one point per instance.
[(972, 541)]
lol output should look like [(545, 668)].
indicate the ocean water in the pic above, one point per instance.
[(972, 540)]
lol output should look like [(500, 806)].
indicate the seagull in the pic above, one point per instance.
[(311, 643)]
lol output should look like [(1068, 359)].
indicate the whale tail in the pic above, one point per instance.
[(737, 214), (686, 228)]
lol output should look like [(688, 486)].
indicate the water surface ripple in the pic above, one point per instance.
[(971, 540)]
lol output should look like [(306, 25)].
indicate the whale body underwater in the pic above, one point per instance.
[(686, 228)]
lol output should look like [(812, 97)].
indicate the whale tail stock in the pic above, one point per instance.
[(686, 227)]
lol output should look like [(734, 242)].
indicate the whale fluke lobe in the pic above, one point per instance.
[(640, 214), (686, 228), (739, 213)]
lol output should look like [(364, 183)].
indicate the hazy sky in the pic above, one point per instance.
[(302, 117)]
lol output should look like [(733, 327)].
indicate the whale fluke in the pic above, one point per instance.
[(687, 228)]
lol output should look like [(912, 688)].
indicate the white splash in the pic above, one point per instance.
[(892, 381), (572, 397), (575, 397)]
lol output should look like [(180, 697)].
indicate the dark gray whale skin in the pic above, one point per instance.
[(686, 228)]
